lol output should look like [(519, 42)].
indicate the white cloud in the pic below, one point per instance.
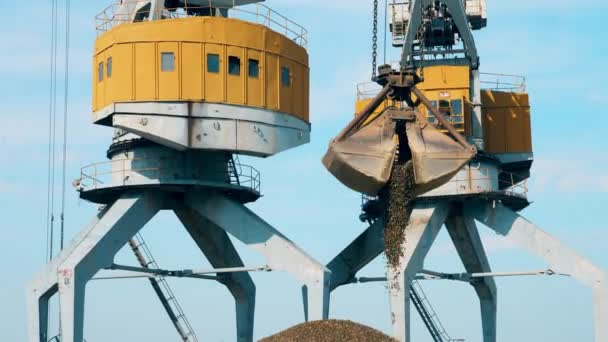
[(6, 187), (492, 243), (545, 6), (497, 6), (596, 97), (335, 96), (571, 173), (19, 128), (335, 5)]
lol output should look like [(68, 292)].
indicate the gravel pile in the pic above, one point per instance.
[(398, 199), (329, 331)]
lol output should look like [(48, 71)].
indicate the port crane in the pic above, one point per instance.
[(432, 110)]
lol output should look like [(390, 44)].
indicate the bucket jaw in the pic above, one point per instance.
[(364, 160), (435, 156)]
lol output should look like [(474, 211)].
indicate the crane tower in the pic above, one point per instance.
[(468, 136), (187, 85)]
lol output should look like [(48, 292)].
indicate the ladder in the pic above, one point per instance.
[(428, 314), (234, 170), (163, 290)]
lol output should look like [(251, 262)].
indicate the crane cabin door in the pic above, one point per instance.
[(235, 81), (214, 73), (168, 75)]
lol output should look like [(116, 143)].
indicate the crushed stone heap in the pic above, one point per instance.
[(329, 331)]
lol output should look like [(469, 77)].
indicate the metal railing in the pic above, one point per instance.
[(475, 7), (509, 183), (400, 11), (58, 339), (503, 82), (512, 185), (117, 14), (104, 174), (367, 90)]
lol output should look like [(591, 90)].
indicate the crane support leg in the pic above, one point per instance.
[(464, 234), (561, 258), (221, 253), (425, 223), (363, 250), (45, 285), (38, 309), (280, 253), (96, 251)]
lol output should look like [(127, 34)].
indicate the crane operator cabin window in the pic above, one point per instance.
[(285, 76), (167, 61), (234, 65), (109, 67), (100, 72), (213, 63), (254, 68)]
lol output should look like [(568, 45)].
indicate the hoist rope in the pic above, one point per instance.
[(51, 141), (385, 27), (65, 120)]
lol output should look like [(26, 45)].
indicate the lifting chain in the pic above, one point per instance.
[(375, 40)]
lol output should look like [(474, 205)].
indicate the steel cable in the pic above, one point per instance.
[(65, 119), (385, 27), (51, 140)]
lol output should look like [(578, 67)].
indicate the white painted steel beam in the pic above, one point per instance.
[(221, 253), (424, 226), (464, 234), (96, 251), (45, 285), (363, 250), (561, 258), (280, 253)]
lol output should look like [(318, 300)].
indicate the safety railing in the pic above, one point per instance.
[(118, 13), (367, 90), (509, 183), (119, 172), (400, 11), (503, 82), (475, 7)]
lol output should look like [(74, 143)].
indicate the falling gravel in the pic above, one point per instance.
[(398, 200), (329, 331)]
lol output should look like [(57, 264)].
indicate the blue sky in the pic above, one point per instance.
[(558, 45)]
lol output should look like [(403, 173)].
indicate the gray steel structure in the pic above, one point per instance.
[(178, 156), (487, 191), (459, 217), (209, 206)]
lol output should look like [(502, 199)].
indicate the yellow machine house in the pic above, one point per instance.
[(201, 59)]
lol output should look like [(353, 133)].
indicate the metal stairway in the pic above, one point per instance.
[(428, 314), (163, 290)]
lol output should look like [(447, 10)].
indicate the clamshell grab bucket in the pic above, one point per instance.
[(436, 156), (364, 160)]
